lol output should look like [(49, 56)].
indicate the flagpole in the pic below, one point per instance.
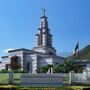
[(78, 49)]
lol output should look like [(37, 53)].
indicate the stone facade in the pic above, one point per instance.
[(41, 55)]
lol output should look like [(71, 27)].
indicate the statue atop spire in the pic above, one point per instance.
[(43, 11)]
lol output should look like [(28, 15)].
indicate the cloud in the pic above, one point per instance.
[(6, 50)]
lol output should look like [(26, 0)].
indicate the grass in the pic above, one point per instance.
[(17, 78), (4, 78), (46, 88)]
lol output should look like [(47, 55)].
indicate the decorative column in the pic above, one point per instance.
[(34, 63), (37, 40)]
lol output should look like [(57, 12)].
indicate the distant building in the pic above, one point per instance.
[(41, 55)]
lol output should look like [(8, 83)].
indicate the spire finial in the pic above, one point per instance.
[(43, 11)]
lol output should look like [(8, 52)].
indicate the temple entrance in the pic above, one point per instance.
[(14, 64), (28, 66), (7, 66)]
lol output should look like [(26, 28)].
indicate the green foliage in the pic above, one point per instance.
[(15, 71), (64, 68), (68, 66), (4, 71), (44, 69), (4, 78), (85, 53), (20, 71), (78, 68), (49, 66)]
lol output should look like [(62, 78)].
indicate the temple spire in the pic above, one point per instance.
[(43, 37)]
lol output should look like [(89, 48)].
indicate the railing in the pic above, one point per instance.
[(42, 80), (84, 78), (68, 78)]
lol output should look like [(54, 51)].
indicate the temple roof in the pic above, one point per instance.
[(20, 49)]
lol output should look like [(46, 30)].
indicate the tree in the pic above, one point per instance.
[(15, 66), (68, 66), (64, 68)]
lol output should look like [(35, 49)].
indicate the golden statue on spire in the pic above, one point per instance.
[(43, 11)]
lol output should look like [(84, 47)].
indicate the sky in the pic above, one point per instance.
[(69, 21)]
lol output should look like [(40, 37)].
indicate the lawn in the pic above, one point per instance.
[(4, 78), (17, 78), (10, 87)]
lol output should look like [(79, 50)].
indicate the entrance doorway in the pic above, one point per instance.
[(14, 64)]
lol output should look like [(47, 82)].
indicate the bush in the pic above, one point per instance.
[(20, 71), (4, 71), (15, 71)]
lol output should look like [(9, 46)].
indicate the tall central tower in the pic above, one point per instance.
[(44, 38)]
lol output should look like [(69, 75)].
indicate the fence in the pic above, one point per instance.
[(83, 78), (68, 78), (42, 80)]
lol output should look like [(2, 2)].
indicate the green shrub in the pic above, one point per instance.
[(20, 71), (4, 71)]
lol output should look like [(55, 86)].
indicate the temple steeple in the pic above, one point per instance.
[(43, 37)]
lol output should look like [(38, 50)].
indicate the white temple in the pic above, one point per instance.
[(41, 55)]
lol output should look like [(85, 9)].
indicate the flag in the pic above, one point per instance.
[(76, 50), (77, 47)]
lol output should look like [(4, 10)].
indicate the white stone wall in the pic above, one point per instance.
[(34, 63), (2, 66), (4, 62), (45, 61), (35, 60), (45, 50)]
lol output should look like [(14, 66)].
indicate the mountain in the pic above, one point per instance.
[(83, 54), (64, 54)]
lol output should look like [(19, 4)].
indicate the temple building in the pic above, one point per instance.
[(41, 55)]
